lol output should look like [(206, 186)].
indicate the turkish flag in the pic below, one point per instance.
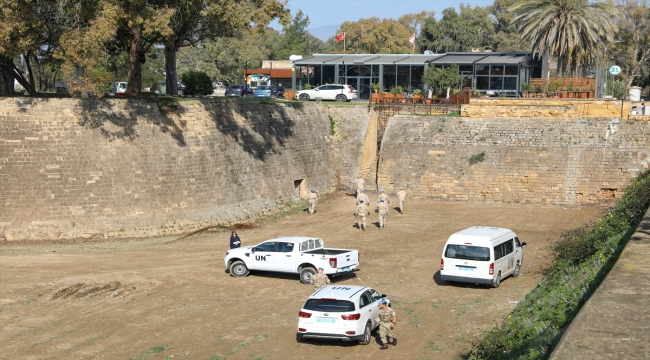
[(340, 37)]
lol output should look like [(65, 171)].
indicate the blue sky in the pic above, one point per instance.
[(324, 13)]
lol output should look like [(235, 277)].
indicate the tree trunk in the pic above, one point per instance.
[(134, 78), (10, 71), (6, 83), (171, 78), (30, 72)]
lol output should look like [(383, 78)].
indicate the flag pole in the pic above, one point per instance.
[(344, 43)]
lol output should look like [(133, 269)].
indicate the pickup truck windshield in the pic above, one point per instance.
[(329, 305), (467, 252)]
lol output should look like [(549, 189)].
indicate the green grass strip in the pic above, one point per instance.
[(581, 259)]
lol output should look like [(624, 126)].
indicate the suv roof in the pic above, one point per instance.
[(338, 292), (482, 232)]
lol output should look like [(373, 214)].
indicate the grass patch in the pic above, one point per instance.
[(332, 124), (154, 351), (433, 346), (581, 260), (475, 159)]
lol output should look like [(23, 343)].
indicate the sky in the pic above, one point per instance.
[(331, 13)]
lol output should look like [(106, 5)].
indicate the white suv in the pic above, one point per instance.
[(336, 92), (340, 312)]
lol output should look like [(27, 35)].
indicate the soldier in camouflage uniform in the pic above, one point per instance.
[(363, 196), (319, 280), (382, 194), (387, 318), (360, 184), (313, 199), (362, 213), (401, 195), (382, 210)]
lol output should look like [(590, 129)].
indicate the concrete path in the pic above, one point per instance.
[(615, 321)]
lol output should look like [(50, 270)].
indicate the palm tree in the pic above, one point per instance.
[(574, 31)]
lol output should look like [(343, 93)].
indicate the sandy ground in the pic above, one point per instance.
[(152, 299)]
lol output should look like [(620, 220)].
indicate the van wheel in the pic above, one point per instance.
[(306, 274), (366, 335), (498, 280), (516, 273), (238, 269)]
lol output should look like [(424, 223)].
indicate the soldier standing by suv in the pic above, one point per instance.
[(313, 199), (382, 210), (387, 318), (361, 214), (319, 280)]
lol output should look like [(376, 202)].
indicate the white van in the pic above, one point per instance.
[(481, 255)]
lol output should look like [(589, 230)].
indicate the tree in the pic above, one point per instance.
[(574, 31), (19, 33), (440, 79), (295, 39), (449, 34), (196, 21), (632, 47)]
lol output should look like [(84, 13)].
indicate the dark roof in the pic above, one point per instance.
[(274, 73), (417, 59)]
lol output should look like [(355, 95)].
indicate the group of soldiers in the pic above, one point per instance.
[(387, 316), (363, 204)]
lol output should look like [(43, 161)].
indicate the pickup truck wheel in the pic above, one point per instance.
[(366, 335), (238, 269), (516, 273), (497, 282), (306, 274)]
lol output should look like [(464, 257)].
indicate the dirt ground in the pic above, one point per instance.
[(151, 299)]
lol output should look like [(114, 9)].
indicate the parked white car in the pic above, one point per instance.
[(482, 255), (291, 254), (335, 92), (340, 312)]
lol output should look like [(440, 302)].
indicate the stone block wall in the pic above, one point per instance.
[(547, 160), (352, 124), (545, 108), (73, 168)]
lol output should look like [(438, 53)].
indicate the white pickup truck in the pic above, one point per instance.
[(291, 254)]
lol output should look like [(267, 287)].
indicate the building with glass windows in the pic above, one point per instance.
[(488, 72)]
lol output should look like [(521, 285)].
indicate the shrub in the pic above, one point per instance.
[(197, 83), (582, 259)]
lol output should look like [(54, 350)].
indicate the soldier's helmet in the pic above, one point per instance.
[(320, 268), (382, 199), (313, 190), (361, 190), (383, 301), (381, 191)]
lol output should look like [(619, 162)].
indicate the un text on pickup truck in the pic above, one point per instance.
[(291, 254)]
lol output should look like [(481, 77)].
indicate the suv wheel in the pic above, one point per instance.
[(341, 98), (303, 97), (366, 335)]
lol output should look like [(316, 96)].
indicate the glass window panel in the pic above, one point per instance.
[(416, 76), (317, 73), (403, 76), (496, 70), (389, 76), (465, 68), (364, 70), (510, 83), (511, 70), (496, 83), (328, 74), (353, 70), (482, 70), (482, 83)]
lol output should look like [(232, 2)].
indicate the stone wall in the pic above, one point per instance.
[(545, 108), (106, 168), (352, 124), (551, 160)]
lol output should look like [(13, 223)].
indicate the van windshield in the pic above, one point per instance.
[(466, 252)]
